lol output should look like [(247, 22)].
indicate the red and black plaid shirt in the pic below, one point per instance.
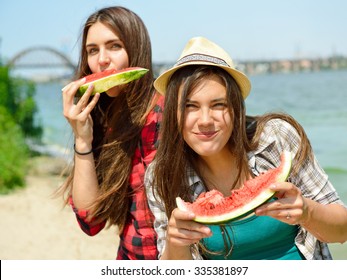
[(138, 238)]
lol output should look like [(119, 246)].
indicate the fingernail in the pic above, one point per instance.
[(207, 232), (191, 215)]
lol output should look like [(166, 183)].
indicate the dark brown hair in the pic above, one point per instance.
[(117, 122)]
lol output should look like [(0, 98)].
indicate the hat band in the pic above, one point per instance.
[(201, 57)]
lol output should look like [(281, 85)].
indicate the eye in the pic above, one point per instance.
[(191, 106), (116, 46), (92, 51), (220, 105)]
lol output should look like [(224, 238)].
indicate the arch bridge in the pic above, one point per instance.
[(55, 64)]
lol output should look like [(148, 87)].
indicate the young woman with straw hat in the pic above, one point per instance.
[(207, 142)]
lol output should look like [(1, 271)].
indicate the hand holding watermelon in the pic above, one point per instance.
[(290, 207), (78, 115), (183, 231)]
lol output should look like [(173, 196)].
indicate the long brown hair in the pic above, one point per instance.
[(174, 156), (117, 122)]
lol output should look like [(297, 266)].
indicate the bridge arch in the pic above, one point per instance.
[(40, 57), (42, 64)]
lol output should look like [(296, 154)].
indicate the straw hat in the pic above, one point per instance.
[(200, 51)]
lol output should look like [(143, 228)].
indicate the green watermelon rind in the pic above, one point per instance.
[(122, 77), (264, 196)]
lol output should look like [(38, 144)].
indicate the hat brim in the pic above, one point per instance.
[(241, 79)]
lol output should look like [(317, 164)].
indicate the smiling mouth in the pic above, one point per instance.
[(206, 134)]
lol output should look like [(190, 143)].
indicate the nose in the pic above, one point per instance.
[(103, 58), (205, 117)]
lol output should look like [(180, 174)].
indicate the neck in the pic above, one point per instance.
[(220, 172)]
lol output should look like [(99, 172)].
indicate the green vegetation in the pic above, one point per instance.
[(17, 113)]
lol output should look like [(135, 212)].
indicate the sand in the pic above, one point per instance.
[(35, 226)]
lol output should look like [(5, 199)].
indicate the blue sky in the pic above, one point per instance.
[(248, 30)]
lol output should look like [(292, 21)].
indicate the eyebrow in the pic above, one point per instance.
[(213, 100), (107, 42)]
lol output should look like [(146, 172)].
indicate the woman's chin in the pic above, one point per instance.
[(114, 92)]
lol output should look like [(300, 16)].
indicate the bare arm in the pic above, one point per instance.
[(85, 184), (326, 222)]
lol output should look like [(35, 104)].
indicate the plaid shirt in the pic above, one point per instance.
[(277, 136), (138, 238)]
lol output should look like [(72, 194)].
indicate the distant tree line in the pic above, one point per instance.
[(17, 124)]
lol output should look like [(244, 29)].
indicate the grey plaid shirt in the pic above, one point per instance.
[(313, 182)]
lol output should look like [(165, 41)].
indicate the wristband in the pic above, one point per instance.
[(81, 154)]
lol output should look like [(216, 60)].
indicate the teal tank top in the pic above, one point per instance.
[(253, 238)]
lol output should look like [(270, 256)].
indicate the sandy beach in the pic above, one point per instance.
[(35, 226)]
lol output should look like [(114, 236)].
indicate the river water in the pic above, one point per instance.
[(316, 99)]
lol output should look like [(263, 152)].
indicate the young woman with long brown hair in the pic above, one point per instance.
[(115, 133), (208, 143)]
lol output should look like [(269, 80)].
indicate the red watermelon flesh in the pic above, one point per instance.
[(213, 208), (107, 79)]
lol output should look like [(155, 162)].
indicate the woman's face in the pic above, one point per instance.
[(105, 51), (208, 124)]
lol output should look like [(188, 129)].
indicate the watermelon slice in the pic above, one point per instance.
[(107, 79), (213, 208)]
